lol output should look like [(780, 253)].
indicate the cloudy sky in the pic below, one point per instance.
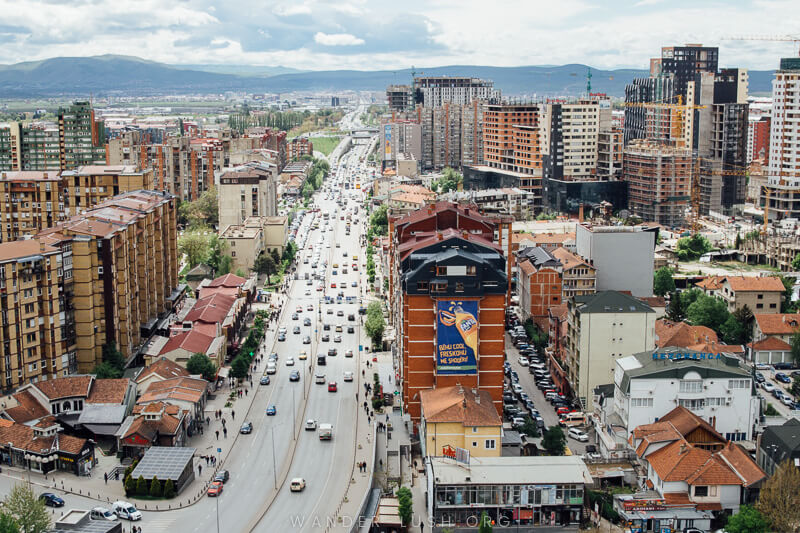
[(389, 34)]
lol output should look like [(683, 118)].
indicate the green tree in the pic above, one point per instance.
[(141, 486), (216, 250), (663, 282), (241, 273), (675, 310), (796, 346), (8, 524), (202, 212), (744, 316), (28, 511), (770, 410), (200, 363), (779, 499), (796, 263), (405, 505), (450, 180), (275, 256), (689, 297), (747, 520), (738, 243), (529, 428), (708, 311), (787, 305), (732, 331), (554, 440), (194, 245), (169, 489), (485, 524), (290, 251), (155, 487), (113, 356), (375, 323), (240, 366), (130, 485), (106, 371), (690, 248), (225, 265), (379, 220)]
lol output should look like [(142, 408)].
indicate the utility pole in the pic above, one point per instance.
[(274, 468)]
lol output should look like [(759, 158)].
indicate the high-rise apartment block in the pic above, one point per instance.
[(659, 181), (31, 201), (81, 137), (435, 91), (783, 178), (684, 62), (400, 97), (298, 147), (399, 137), (758, 138), (570, 135), (247, 191)]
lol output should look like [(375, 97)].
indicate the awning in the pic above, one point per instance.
[(223, 372)]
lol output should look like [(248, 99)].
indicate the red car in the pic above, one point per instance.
[(215, 489), (563, 411), (333, 285), (332, 386)]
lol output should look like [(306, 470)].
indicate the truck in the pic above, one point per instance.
[(325, 431)]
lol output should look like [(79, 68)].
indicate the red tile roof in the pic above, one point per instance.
[(191, 341), (108, 391), (163, 368), (678, 460), (21, 437), (777, 323), (66, 387), (457, 404), (711, 283), (228, 280), (681, 334), (770, 343), (423, 239), (28, 409), (212, 309), (186, 389), (741, 463), (755, 283)]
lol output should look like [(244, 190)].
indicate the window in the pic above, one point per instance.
[(490, 444), (233, 254), (715, 402), (441, 271), (759, 306), (692, 404), (459, 287), (738, 383), (474, 429), (422, 285), (470, 270), (641, 402), (701, 491), (474, 444), (691, 386), (440, 287)]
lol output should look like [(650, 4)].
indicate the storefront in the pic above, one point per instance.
[(654, 515)]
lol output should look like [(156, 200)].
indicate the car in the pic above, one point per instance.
[(578, 435), (281, 337), (310, 307), (303, 355), (767, 386), (523, 361), (299, 308), (337, 338), (563, 410), (222, 475), (348, 376), (326, 327), (215, 489), (783, 378), (319, 378), (290, 361), (297, 484), (294, 376), (517, 388), (326, 337), (517, 422), (760, 377), (333, 283), (332, 386), (338, 328), (348, 353), (273, 356), (332, 352), (783, 366), (101, 513), (246, 428), (307, 340), (264, 380), (51, 500), (354, 284), (296, 330), (311, 424), (329, 311), (306, 321), (351, 317), (295, 316), (272, 410), (339, 313), (787, 400), (762, 366)]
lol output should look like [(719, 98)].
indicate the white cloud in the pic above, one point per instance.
[(642, 3), (292, 9), (337, 39)]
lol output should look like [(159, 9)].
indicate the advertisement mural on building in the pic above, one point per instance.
[(456, 337), (387, 147)]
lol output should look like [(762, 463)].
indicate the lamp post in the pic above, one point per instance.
[(28, 460), (217, 498), (274, 467)]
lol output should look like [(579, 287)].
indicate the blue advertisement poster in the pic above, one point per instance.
[(457, 337)]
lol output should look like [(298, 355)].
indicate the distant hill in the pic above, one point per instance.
[(112, 74)]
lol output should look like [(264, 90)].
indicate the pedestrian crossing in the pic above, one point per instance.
[(158, 524)]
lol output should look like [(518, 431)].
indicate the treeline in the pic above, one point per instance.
[(281, 120)]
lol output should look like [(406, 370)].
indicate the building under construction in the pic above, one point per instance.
[(659, 181), (783, 185)]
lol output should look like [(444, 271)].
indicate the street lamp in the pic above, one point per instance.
[(217, 498), (274, 467)]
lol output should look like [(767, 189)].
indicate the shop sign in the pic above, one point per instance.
[(679, 356), (644, 505)]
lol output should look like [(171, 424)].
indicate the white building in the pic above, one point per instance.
[(715, 387), (622, 255), (784, 143), (249, 190)]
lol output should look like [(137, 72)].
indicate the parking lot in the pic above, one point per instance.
[(528, 384), (770, 384)]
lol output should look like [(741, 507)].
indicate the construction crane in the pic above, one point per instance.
[(694, 194), (680, 108), (785, 38)]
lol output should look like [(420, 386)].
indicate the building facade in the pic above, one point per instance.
[(249, 190)]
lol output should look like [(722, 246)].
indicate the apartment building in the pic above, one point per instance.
[(609, 153), (578, 277), (249, 190), (298, 147), (570, 135), (400, 97), (602, 328), (81, 137), (88, 186), (245, 243), (435, 91), (36, 337), (399, 136), (759, 294), (539, 283), (124, 259), (659, 181), (783, 181), (758, 129)]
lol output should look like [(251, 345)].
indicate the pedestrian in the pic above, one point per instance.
[(217, 432), (200, 470), (245, 391), (380, 462), (363, 373), (225, 432), (223, 422), (208, 420), (356, 397), (368, 419), (105, 477), (233, 415)]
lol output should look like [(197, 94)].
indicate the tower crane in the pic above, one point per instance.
[(785, 38)]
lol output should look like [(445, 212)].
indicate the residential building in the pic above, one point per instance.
[(249, 190), (578, 277), (783, 172), (436, 91), (508, 201), (712, 385), (659, 181), (153, 424), (455, 417), (602, 328), (548, 241), (758, 130), (298, 147), (246, 243), (34, 146), (778, 325), (87, 186), (399, 136), (452, 290), (760, 294), (570, 135), (538, 283), (779, 444), (81, 137), (293, 177), (130, 239), (622, 255), (275, 232), (400, 97), (181, 346), (37, 339), (190, 394), (694, 477), (159, 370), (546, 492), (609, 152)]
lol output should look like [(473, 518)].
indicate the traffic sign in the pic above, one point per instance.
[(219, 450)]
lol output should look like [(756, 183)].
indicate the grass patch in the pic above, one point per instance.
[(325, 144)]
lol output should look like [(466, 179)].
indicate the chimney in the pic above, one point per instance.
[(41, 246), (441, 237), (683, 449), (476, 396), (466, 210)]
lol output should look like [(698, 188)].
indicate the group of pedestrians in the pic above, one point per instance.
[(210, 460), (362, 466)]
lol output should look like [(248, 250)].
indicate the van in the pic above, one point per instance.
[(271, 368), (572, 420), (319, 378), (101, 513), (325, 431), (126, 510)]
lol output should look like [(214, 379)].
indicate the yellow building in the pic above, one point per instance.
[(455, 417), (124, 262), (87, 186)]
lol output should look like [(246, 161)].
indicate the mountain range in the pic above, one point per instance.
[(118, 75)]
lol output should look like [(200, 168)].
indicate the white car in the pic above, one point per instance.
[(290, 361), (517, 388), (348, 376), (523, 361), (311, 424), (578, 435), (767, 386), (126, 510)]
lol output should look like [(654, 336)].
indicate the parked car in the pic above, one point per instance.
[(523, 361), (578, 435), (222, 475), (215, 489), (51, 500), (783, 378), (767, 386)]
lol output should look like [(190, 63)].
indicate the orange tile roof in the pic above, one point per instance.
[(710, 283), (458, 404), (559, 311), (527, 268), (678, 460), (569, 260), (741, 463), (771, 343), (18, 249), (777, 323), (755, 283), (551, 238), (186, 389), (228, 280), (681, 334), (65, 387), (21, 437), (714, 472), (191, 341), (164, 368), (212, 309), (28, 409), (108, 391), (677, 499)]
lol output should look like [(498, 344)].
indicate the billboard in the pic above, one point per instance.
[(456, 337), (387, 144)]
